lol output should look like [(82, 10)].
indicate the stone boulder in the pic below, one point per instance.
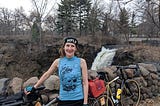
[(92, 74), (150, 67), (15, 85), (30, 82), (3, 85), (52, 83)]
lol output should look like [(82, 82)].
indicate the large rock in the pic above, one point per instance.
[(92, 74), (154, 76), (150, 67), (3, 85), (109, 72), (52, 83), (144, 71), (30, 82), (16, 85), (130, 73), (2, 70)]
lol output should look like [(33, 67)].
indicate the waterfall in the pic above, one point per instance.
[(104, 58)]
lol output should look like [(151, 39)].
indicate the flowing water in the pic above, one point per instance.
[(104, 58)]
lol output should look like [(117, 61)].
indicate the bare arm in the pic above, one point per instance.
[(85, 80), (47, 74)]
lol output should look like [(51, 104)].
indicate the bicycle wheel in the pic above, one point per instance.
[(105, 100), (93, 102), (130, 93)]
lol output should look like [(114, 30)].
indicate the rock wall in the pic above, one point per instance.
[(147, 79), (24, 59)]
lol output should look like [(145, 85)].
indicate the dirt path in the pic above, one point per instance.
[(151, 102)]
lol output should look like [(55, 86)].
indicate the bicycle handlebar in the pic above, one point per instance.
[(128, 67), (135, 67), (122, 68)]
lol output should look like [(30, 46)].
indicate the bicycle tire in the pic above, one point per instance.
[(93, 101), (130, 95)]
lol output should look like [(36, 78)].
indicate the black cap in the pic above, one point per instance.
[(71, 40)]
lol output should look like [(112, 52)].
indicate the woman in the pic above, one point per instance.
[(72, 73)]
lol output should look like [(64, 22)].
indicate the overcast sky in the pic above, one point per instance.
[(26, 4), (12, 4)]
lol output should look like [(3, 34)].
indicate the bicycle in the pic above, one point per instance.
[(20, 99), (128, 92)]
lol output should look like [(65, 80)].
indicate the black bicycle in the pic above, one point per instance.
[(126, 92)]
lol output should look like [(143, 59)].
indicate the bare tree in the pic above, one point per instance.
[(107, 15), (6, 25), (50, 24), (42, 9), (149, 13), (19, 22)]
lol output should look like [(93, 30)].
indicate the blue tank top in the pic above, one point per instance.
[(70, 79)]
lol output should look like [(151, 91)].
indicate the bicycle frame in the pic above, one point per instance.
[(109, 92), (51, 102)]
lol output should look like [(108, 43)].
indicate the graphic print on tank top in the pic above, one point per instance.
[(69, 78)]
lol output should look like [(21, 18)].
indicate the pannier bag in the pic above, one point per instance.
[(96, 87)]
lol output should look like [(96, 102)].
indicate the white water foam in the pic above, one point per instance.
[(104, 58)]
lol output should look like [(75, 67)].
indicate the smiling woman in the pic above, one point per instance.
[(13, 4)]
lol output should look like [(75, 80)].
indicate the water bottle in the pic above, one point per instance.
[(119, 91)]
